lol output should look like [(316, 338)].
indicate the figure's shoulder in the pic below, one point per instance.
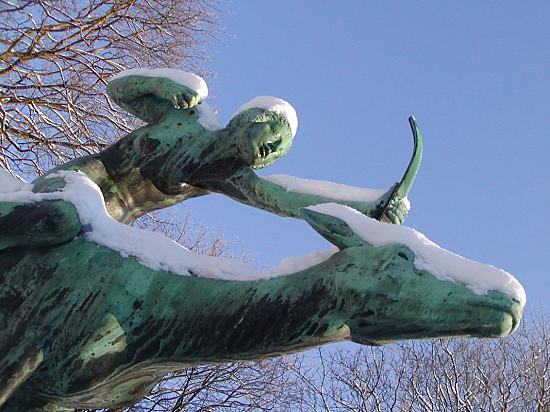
[(201, 116)]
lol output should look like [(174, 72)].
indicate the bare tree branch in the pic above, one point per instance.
[(510, 374), (57, 55)]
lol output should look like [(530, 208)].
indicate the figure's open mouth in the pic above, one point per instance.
[(267, 148)]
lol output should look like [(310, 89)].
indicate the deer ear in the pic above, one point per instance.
[(333, 229)]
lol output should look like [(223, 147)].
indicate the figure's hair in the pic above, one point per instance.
[(257, 115)]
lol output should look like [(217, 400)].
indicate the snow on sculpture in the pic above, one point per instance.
[(94, 311)]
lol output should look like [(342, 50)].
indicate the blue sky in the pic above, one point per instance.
[(475, 74)]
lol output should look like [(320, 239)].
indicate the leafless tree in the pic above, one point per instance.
[(510, 374), (55, 59), (180, 227), (250, 386)]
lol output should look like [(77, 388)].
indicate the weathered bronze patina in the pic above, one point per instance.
[(83, 326)]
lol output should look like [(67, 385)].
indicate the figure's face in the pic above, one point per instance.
[(265, 142)]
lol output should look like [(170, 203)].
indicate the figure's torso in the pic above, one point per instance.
[(151, 168)]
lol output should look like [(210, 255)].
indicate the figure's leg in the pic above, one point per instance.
[(44, 223)]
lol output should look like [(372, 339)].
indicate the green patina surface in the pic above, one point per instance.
[(84, 327), (109, 327)]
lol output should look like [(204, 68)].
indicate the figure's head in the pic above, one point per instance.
[(265, 127)]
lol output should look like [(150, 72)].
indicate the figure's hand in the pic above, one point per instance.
[(397, 209), (177, 94)]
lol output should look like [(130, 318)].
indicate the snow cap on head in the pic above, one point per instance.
[(273, 104), (194, 82)]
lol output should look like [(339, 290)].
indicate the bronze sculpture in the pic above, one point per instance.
[(88, 323)]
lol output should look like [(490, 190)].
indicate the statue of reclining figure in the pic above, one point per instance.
[(94, 312)]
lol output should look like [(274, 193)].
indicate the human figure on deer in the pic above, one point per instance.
[(94, 311)]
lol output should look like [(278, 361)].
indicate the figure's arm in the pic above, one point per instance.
[(285, 196), (149, 98), (45, 223)]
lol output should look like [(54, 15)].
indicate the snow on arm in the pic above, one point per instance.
[(207, 117), (439, 262), (190, 80), (276, 105), (329, 190)]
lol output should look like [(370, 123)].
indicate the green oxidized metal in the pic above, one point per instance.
[(84, 327)]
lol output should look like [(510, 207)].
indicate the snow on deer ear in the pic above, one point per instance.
[(273, 104), (422, 252)]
